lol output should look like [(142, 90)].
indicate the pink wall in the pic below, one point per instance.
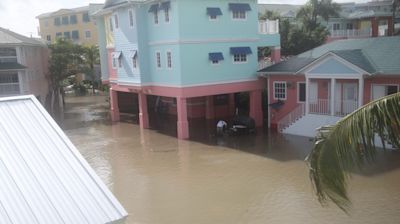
[(291, 96)]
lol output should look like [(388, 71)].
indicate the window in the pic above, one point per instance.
[(166, 12), (67, 35), (134, 62), (7, 52), (349, 26), (73, 19), (114, 63), (111, 25), (57, 21), (215, 57), (239, 15), (85, 17), (301, 92), (156, 17), (280, 90), (169, 59), (65, 20), (75, 34), (116, 21), (213, 13), (46, 23), (48, 38), (9, 78), (88, 34), (158, 59), (336, 26), (130, 14), (239, 58), (58, 35)]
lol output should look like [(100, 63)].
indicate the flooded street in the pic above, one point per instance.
[(249, 179)]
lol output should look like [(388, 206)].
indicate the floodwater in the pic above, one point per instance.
[(246, 179)]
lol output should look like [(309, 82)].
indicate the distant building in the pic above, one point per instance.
[(23, 65), (185, 57), (74, 24)]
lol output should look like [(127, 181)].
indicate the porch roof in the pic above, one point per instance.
[(373, 55)]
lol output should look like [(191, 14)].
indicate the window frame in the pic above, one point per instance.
[(116, 21), (85, 19), (156, 19), (167, 18), (90, 34), (298, 92), (275, 89), (158, 60), (111, 23), (168, 55), (236, 15), (77, 35), (239, 58), (135, 62), (130, 18), (114, 63)]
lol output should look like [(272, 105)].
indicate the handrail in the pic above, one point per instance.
[(291, 117)]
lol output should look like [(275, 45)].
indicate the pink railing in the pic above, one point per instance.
[(292, 117), (320, 106)]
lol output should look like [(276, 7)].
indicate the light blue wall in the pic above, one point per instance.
[(332, 66), (102, 48)]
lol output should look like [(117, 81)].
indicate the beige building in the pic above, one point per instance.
[(74, 24)]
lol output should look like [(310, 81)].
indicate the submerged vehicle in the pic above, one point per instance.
[(242, 125)]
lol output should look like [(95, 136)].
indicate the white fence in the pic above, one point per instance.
[(292, 117), (320, 106), (268, 26)]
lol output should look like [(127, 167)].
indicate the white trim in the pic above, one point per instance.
[(240, 62), (224, 40), (166, 59), (383, 84), (298, 89), (149, 84), (215, 64), (239, 19), (211, 19), (273, 90), (336, 76)]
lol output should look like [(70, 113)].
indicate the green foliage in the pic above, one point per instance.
[(271, 15), (350, 143)]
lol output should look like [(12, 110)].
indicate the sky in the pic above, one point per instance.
[(20, 15)]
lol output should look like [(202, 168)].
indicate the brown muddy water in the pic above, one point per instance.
[(246, 179)]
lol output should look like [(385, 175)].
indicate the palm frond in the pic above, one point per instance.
[(350, 143)]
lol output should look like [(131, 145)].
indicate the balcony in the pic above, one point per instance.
[(7, 89), (268, 26), (354, 33)]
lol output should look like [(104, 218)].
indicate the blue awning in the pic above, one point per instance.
[(215, 56), (214, 12), (165, 5), (117, 54), (239, 7), (132, 54), (241, 50), (154, 8)]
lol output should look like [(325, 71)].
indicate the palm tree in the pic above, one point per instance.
[(350, 143), (314, 9), (91, 57)]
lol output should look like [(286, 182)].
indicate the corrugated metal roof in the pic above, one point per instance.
[(9, 37), (44, 179)]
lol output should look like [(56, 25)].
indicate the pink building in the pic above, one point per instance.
[(23, 65), (322, 85)]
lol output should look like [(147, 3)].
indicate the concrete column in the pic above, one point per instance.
[(307, 95), (210, 112), (256, 107), (143, 114), (182, 124), (276, 54), (333, 83), (114, 110), (232, 108), (360, 91)]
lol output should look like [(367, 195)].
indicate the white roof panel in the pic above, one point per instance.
[(44, 179)]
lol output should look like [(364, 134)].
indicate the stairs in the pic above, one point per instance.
[(307, 125)]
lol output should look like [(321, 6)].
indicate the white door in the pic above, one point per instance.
[(350, 98), (313, 91), (378, 91)]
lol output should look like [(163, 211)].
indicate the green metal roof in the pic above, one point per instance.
[(11, 66), (380, 55)]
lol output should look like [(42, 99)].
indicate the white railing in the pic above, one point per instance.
[(292, 117), (263, 64), (9, 88), (320, 106), (345, 107), (351, 33), (268, 26)]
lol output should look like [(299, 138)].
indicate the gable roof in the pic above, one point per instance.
[(8, 37), (44, 179), (375, 55)]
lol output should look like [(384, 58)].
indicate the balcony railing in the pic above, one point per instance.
[(9, 89), (351, 33), (268, 26), (323, 107)]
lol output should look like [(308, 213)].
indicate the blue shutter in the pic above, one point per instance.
[(241, 7), (241, 50), (153, 8), (216, 56), (165, 5), (214, 11)]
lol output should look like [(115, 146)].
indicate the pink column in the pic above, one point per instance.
[(182, 124), (143, 114), (256, 107), (232, 109), (114, 105), (276, 55), (210, 112)]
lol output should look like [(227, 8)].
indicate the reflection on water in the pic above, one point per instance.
[(246, 179)]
